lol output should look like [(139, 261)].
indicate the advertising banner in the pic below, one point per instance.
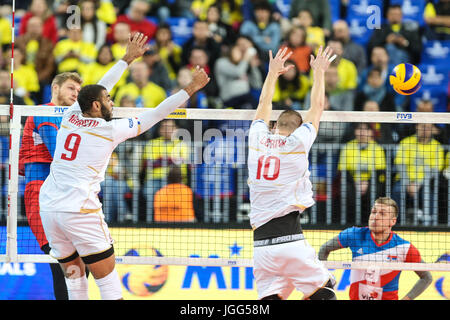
[(31, 281)]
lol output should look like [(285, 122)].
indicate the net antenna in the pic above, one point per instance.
[(14, 137)]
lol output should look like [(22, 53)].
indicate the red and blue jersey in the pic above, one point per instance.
[(38, 146), (376, 284)]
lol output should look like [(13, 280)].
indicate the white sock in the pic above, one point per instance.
[(110, 286), (77, 288)]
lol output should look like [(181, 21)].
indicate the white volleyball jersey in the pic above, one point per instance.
[(278, 172), (83, 149)]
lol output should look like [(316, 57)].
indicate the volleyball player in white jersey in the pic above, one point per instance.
[(280, 190), (70, 209)]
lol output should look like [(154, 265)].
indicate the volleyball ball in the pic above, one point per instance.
[(406, 79), (143, 280)]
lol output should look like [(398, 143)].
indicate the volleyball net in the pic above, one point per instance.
[(178, 194)]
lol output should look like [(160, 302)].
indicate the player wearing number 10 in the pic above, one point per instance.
[(70, 210), (280, 190)]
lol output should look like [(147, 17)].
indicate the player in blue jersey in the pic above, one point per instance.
[(35, 156), (378, 243)]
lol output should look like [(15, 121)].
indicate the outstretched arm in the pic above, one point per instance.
[(328, 247), (136, 48), (319, 65), (276, 68), (151, 117), (420, 286)]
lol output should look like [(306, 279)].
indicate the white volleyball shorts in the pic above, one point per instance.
[(281, 268), (70, 234)]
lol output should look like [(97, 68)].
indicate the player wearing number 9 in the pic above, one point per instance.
[(36, 154), (280, 189), (70, 210)]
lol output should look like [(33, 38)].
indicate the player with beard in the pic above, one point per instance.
[(35, 156), (70, 210)]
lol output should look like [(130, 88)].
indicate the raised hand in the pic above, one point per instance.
[(276, 64), (199, 80), (136, 47), (323, 59)]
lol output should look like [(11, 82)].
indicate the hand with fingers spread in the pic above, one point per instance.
[(276, 64), (199, 80), (319, 65), (323, 59), (136, 47)]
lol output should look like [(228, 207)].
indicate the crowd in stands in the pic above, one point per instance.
[(230, 39)]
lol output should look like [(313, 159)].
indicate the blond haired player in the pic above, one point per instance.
[(377, 242), (71, 212), (280, 190)]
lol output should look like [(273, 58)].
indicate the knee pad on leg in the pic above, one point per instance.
[(110, 286)]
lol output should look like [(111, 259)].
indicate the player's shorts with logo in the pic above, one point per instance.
[(281, 268)]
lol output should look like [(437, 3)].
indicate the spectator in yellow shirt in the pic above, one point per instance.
[(38, 51), (340, 100), (121, 33), (418, 157), (169, 51), (230, 10), (93, 72), (363, 159), (175, 201), (348, 74), (26, 81), (437, 19), (5, 31), (145, 93), (73, 52), (315, 36), (291, 89), (159, 154), (106, 11)]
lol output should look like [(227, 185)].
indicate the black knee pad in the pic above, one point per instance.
[(325, 293)]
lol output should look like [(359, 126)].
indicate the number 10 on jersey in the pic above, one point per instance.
[(268, 167)]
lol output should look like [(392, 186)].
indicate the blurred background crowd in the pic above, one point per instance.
[(230, 39)]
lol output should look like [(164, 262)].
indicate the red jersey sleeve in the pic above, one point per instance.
[(413, 255)]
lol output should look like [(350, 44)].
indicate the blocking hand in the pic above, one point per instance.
[(199, 80), (323, 59), (136, 47), (276, 64)]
